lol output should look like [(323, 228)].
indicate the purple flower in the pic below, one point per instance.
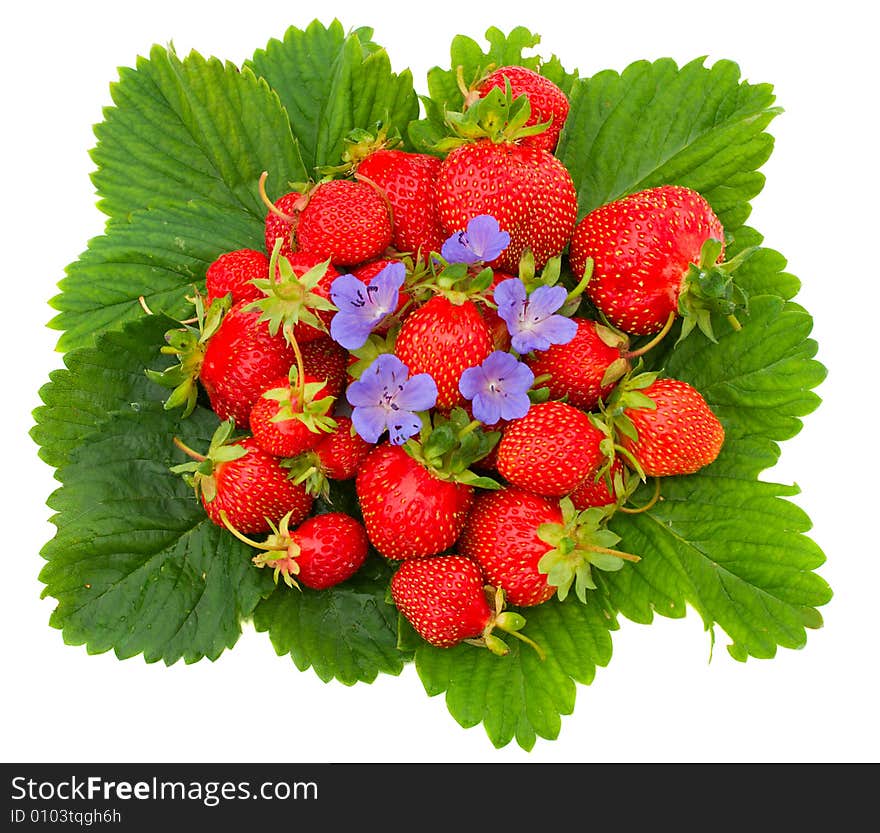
[(386, 397), (530, 319), (483, 241), (498, 388), (361, 307)]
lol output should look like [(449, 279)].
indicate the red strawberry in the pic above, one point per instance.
[(324, 359), (279, 223), (407, 510), (444, 339), (584, 369), (533, 547), (551, 450), (241, 358), (341, 453), (240, 482), (501, 535), (443, 598), (284, 426), (603, 490), (528, 190), (645, 250), (678, 435), (408, 180), (344, 220), (233, 272), (547, 101), (323, 551)]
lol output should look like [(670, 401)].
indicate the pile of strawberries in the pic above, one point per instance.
[(440, 329)]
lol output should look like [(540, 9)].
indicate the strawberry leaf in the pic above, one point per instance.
[(656, 123), (347, 633), (191, 129), (519, 696), (331, 83)]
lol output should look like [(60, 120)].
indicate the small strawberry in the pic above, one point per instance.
[(443, 339), (241, 359), (408, 181), (533, 547), (444, 599), (665, 425), (233, 272), (322, 551), (547, 102), (551, 450), (289, 418), (236, 478), (324, 359), (345, 221), (280, 219), (657, 254)]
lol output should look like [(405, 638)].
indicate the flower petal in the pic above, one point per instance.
[(403, 426), (369, 422), (487, 407), (485, 238), (456, 249), (515, 405), (419, 393), (472, 381), (348, 293), (510, 297), (545, 300), (350, 331), (387, 285)]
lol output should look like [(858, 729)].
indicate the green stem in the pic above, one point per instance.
[(188, 451), (633, 354), (582, 284)]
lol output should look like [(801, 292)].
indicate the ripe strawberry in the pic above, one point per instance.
[(322, 551), (237, 480), (528, 190), (653, 257), (279, 223), (233, 272), (603, 490), (678, 435), (501, 535), (285, 424), (444, 339), (407, 510), (533, 547), (341, 453), (344, 220), (444, 599), (408, 180), (585, 368), (324, 359), (551, 450), (547, 101), (241, 358)]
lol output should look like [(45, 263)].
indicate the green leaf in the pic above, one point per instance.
[(519, 696), (732, 548), (191, 129), (135, 565), (656, 123), (347, 632), (160, 255), (331, 83)]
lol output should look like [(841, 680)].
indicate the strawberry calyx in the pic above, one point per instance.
[(708, 288), (580, 543), (359, 144), (497, 116), (278, 552), (449, 445), (188, 344), (298, 401), (306, 469), (289, 298), (507, 621), (200, 472)]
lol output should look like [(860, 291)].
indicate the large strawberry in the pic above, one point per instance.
[(551, 450), (443, 338), (241, 485), (444, 599), (656, 254), (533, 547), (666, 425), (322, 551), (240, 360), (548, 103), (408, 181)]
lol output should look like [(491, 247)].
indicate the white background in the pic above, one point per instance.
[(660, 699)]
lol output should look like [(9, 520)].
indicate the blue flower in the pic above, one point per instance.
[(483, 241), (530, 319), (362, 307), (498, 388), (386, 397)]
